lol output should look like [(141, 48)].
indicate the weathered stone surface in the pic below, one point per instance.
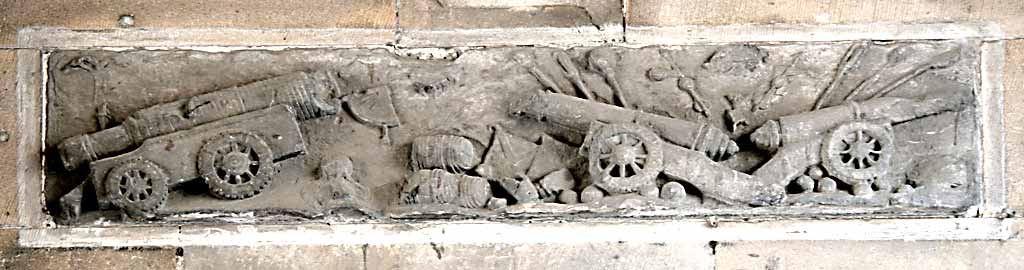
[(858, 255), (81, 259), (8, 138), (14, 257), (1013, 121), (642, 13), (463, 22), (621, 255), (16, 14), (888, 123), (275, 257)]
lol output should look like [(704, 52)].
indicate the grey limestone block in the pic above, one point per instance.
[(884, 126)]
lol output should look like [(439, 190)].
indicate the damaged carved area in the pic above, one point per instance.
[(868, 126)]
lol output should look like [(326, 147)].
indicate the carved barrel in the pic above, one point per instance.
[(308, 93)]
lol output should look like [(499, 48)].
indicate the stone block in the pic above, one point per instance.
[(582, 255), (275, 257), (88, 259), (371, 14), (840, 255), (646, 13), (1013, 121), (14, 257), (501, 22), (8, 122)]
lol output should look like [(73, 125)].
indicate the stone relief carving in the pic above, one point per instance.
[(327, 133)]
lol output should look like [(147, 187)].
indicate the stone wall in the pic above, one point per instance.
[(28, 240)]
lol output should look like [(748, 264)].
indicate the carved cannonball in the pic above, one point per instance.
[(806, 183), (673, 191), (816, 172), (568, 197), (827, 184), (591, 194)]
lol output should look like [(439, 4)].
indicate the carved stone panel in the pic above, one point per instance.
[(807, 128)]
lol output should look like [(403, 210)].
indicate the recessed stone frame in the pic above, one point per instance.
[(985, 101)]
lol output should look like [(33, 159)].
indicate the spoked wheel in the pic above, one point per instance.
[(858, 151), (236, 165), (137, 186), (624, 157)]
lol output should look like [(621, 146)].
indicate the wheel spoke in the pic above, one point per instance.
[(622, 171), (636, 168), (608, 170)]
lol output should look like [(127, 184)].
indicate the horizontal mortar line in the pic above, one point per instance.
[(700, 34), (476, 232), (45, 37)]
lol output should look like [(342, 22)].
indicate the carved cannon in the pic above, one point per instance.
[(235, 156), (308, 93), (577, 114), (626, 154), (854, 142), (231, 138)]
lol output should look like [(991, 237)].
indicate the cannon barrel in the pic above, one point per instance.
[(309, 93), (577, 114), (794, 129)]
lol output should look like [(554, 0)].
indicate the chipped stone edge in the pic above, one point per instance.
[(993, 136), (29, 164), (552, 232)]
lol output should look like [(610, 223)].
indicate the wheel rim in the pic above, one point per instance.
[(623, 157), (137, 186), (236, 165), (858, 151)]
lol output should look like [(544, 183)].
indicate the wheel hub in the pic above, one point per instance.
[(623, 155), (236, 163)]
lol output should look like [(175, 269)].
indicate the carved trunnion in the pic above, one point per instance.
[(876, 126)]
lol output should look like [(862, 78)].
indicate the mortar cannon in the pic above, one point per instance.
[(627, 150)]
